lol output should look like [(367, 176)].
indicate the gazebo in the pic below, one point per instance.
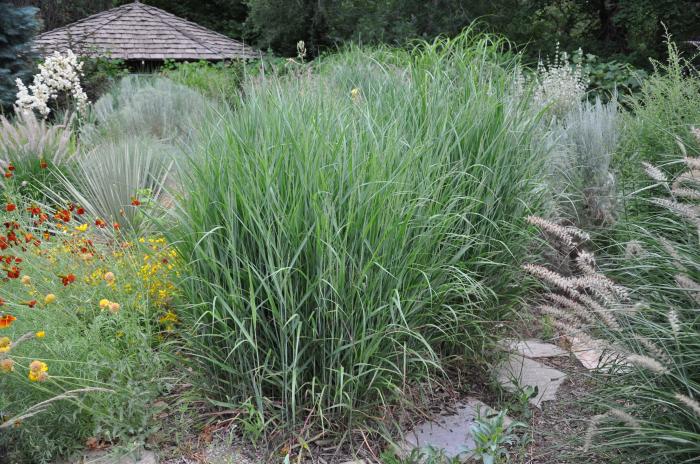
[(141, 34)]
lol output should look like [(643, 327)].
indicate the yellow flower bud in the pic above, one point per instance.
[(50, 298), (40, 334), (104, 303)]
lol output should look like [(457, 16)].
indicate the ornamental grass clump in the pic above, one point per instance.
[(347, 229), (645, 321)]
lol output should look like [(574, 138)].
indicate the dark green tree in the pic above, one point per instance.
[(17, 28)]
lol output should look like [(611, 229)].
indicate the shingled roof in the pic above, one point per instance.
[(136, 31)]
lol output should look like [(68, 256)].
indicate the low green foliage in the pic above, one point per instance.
[(493, 437), (216, 81)]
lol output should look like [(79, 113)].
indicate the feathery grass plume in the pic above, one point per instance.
[(553, 230), (652, 348), (674, 322), (592, 430), (691, 177), (654, 173), (693, 163), (578, 233), (578, 309), (647, 362), (604, 313), (629, 420), (696, 132), (585, 262), (550, 277), (686, 283), (687, 193), (633, 249), (673, 253), (557, 313), (601, 284), (678, 208), (690, 402)]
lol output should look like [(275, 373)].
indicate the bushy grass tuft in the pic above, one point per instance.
[(347, 229)]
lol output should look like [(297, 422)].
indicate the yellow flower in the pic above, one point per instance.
[(104, 303), (26, 280), (355, 94), (7, 365), (5, 344), (38, 371), (50, 298), (109, 277), (40, 334), (114, 307), (81, 227)]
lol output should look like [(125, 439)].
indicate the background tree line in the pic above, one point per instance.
[(625, 30)]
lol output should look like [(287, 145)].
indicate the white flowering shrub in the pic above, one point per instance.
[(59, 76), (560, 85)]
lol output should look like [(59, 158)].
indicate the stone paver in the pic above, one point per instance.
[(534, 349), (449, 433), (518, 371)]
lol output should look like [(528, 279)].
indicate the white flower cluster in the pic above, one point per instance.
[(59, 74), (560, 85)]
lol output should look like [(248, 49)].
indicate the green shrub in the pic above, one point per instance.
[(345, 232), (661, 114), (100, 74), (145, 106), (17, 28), (216, 81)]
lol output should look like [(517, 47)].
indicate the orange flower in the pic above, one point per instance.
[(30, 303), (80, 211), (13, 273), (34, 210), (135, 202), (63, 215), (69, 279), (43, 164), (8, 174), (6, 320), (116, 226), (10, 207), (100, 223), (10, 167)]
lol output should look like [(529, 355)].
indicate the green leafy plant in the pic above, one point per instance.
[(492, 437)]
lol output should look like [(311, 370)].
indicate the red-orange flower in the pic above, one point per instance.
[(30, 303), (10, 207), (10, 167), (43, 164), (63, 215), (80, 210), (34, 210), (69, 279), (6, 320), (8, 174), (135, 202), (116, 226), (13, 273), (100, 223)]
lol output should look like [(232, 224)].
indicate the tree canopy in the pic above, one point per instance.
[(625, 30)]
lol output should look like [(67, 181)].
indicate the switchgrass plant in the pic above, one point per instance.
[(348, 229), (215, 81)]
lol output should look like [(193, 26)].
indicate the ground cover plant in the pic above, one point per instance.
[(346, 228)]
